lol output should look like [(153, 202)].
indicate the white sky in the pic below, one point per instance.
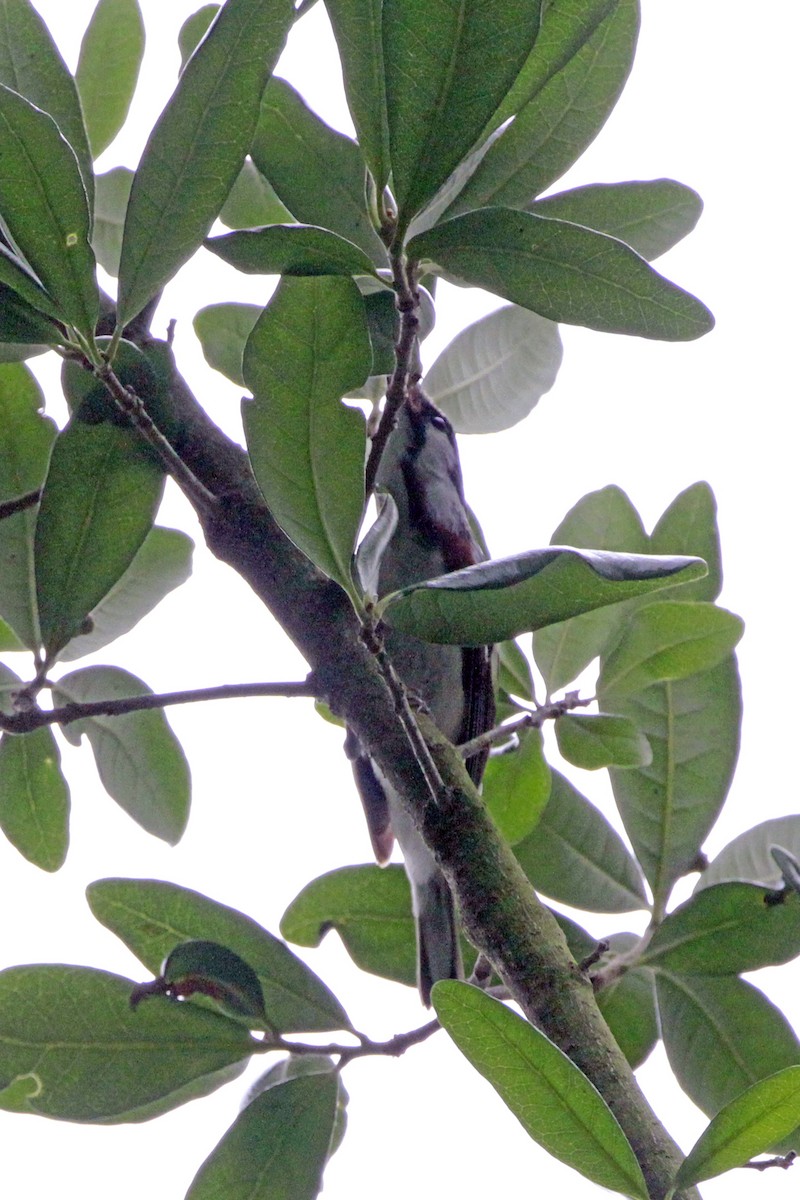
[(711, 102)]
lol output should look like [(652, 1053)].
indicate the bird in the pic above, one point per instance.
[(420, 469)]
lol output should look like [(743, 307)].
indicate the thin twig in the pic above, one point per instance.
[(128, 402), (35, 718), (531, 720), (9, 508), (782, 1160), (393, 1047)]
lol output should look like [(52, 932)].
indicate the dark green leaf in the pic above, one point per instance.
[(748, 857), (223, 330), (297, 1066), (308, 349), (721, 1035), (755, 1121), (499, 599), (556, 1104), (151, 917), (98, 505), (24, 330), (447, 69), (317, 173), (201, 967), (24, 453), (290, 250), (666, 641), (17, 275), (108, 68), (198, 146), (595, 740), (370, 909), (495, 371), (725, 930), (31, 64), (563, 272), (516, 787), (139, 759), (381, 313), (574, 856), (651, 215), (110, 205), (94, 1058), (669, 807), (551, 131), (34, 798), (276, 1148), (358, 28), (566, 27), (44, 206), (252, 201), (689, 526), (163, 562), (629, 1005), (89, 397)]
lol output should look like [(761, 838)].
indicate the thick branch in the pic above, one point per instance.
[(500, 910)]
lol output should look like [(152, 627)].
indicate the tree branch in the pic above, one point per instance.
[(28, 720), (500, 910)]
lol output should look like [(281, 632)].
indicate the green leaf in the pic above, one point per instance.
[(651, 216), (252, 201), (555, 1103), (296, 1066), (108, 69), (563, 272), (755, 1121), (317, 173), (606, 520), (17, 276), (34, 798), (139, 759), (496, 370), (574, 856), (197, 148), (666, 641), (514, 672), (162, 563), (24, 331), (290, 250), (566, 27), (748, 857), (110, 206), (31, 64), (151, 916), (194, 29), (691, 521), (358, 29), (725, 930), (223, 330), (210, 969), (94, 1058), (370, 909), (629, 1005), (595, 740), (499, 599), (44, 206), (276, 1148), (98, 505), (516, 787), (308, 349), (24, 454), (669, 807), (721, 1035), (551, 131), (447, 69)]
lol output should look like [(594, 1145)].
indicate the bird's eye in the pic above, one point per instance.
[(439, 422)]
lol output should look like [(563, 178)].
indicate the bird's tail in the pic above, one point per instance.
[(438, 949)]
